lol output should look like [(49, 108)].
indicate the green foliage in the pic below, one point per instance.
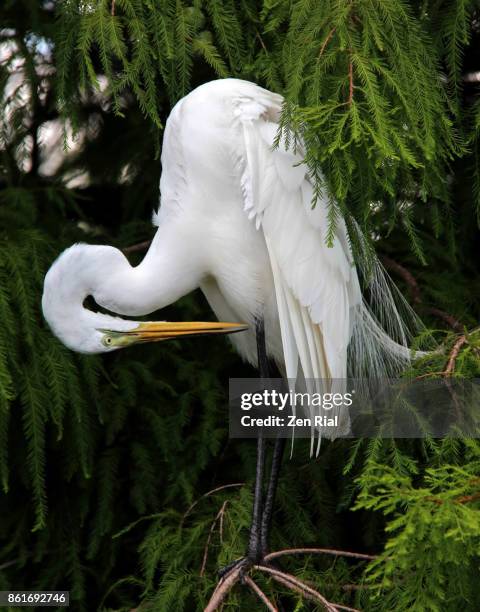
[(433, 530), (112, 468), (142, 46)]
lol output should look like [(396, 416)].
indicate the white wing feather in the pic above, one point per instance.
[(316, 286)]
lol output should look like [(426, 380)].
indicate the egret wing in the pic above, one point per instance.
[(316, 286)]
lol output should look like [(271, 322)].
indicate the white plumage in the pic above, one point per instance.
[(271, 256), (236, 220)]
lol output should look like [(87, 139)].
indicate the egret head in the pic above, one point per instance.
[(105, 274)]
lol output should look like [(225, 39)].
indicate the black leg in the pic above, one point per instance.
[(271, 490), (255, 539), (262, 350)]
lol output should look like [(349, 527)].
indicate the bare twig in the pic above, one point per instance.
[(261, 41), (346, 608), (449, 319), (220, 528), (465, 499), (261, 595), (357, 587), (207, 494), (112, 11), (317, 551), (350, 83), (296, 585), (298, 589), (288, 580), (210, 535), (223, 588), (326, 41), (454, 354), (429, 374), (328, 604)]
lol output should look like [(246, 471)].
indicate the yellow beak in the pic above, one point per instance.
[(165, 330)]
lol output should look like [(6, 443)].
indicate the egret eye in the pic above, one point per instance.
[(116, 339)]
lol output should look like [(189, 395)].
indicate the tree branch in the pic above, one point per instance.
[(207, 494), (463, 499), (261, 595), (350, 83), (466, 499), (223, 588), (210, 535), (297, 585), (454, 354), (326, 41), (317, 551)]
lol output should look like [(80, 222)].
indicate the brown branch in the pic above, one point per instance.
[(450, 368), (210, 535), (313, 551), (292, 586), (238, 573), (112, 11), (346, 608), (454, 354), (350, 83), (465, 499), (261, 41), (357, 587), (220, 527), (429, 374), (223, 588), (261, 595), (326, 41), (449, 319), (207, 494), (141, 246), (297, 585)]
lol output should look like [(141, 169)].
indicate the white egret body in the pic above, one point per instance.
[(236, 220)]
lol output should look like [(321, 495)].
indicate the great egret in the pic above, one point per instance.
[(235, 220)]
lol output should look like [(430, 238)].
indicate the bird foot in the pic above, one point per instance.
[(244, 563), (257, 553), (223, 571)]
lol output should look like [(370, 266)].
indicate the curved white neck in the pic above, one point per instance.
[(168, 272)]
